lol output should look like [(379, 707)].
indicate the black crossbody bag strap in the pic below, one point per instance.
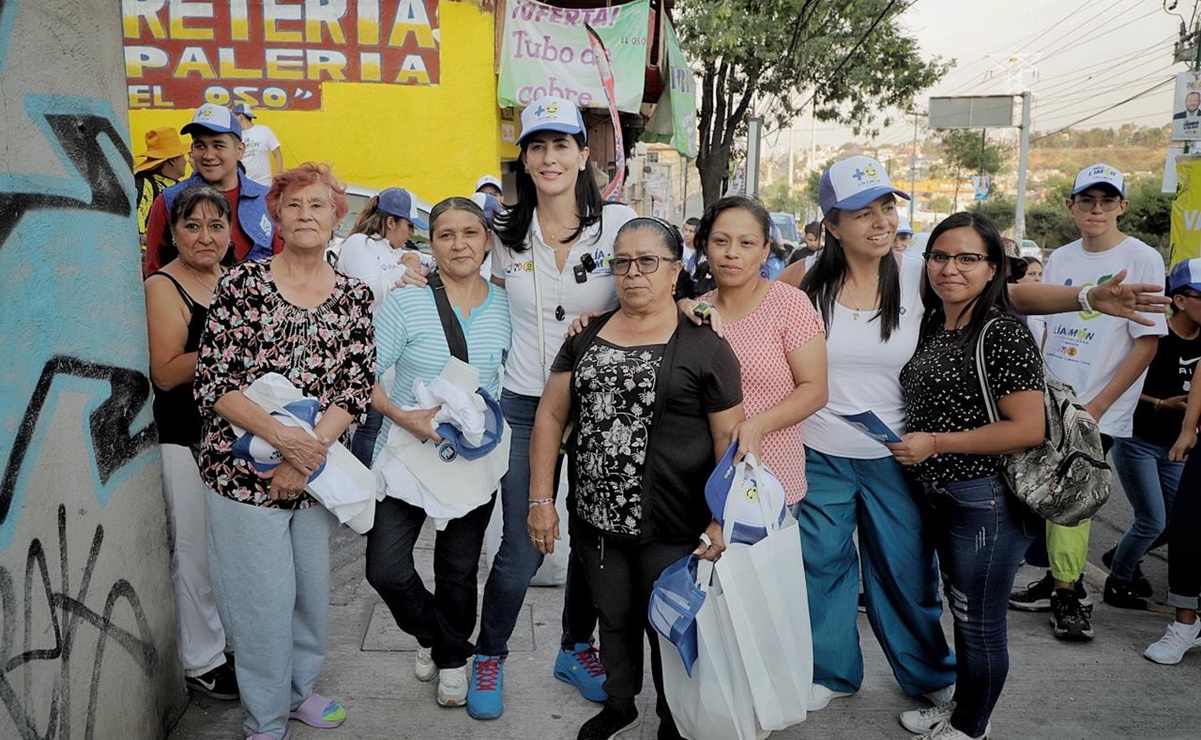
[(450, 323)]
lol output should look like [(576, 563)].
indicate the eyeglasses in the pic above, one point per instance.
[(647, 263), (965, 262), (1088, 203)]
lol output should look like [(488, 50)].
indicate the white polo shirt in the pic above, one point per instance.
[(529, 359)]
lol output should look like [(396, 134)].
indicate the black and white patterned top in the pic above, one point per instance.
[(942, 391), (615, 387)]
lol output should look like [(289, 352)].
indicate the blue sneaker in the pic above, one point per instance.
[(484, 700), (581, 667)]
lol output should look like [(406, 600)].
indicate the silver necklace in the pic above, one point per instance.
[(210, 288)]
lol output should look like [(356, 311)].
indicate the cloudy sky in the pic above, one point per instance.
[(1089, 56)]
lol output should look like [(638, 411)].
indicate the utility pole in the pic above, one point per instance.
[(754, 133), (913, 170), (1020, 73)]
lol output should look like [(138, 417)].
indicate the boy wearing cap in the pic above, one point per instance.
[(216, 149), (490, 185), (263, 157), (1149, 478), (162, 166), (1103, 358)]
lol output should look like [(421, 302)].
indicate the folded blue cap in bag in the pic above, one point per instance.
[(455, 445), (675, 602), (756, 481), (260, 454)]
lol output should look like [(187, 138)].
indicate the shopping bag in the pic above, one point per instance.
[(714, 703), (764, 588), (759, 504), (553, 571)]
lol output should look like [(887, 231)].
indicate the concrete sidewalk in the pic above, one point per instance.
[(1101, 689)]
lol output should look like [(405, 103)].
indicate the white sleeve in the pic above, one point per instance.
[(500, 259), (272, 141), (357, 260), (1148, 268)]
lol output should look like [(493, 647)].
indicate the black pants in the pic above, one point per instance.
[(445, 619), (621, 574), (1184, 545)]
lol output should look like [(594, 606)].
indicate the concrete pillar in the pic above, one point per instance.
[(87, 626)]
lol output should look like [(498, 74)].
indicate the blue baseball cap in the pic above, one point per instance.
[(455, 445), (400, 203), (489, 204), (903, 226), (1186, 274), (244, 110), (551, 114), (213, 119), (749, 525), (853, 183), (675, 601), (261, 455)]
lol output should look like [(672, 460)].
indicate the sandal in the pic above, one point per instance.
[(319, 711)]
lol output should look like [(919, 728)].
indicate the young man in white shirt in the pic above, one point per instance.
[(263, 157), (1103, 358)]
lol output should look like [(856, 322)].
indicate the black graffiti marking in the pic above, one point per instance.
[(74, 613), (79, 134), (113, 441)]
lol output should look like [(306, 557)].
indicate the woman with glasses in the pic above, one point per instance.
[(978, 528), (776, 334), (873, 313), (654, 400)]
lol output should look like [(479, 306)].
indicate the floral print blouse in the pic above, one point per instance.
[(328, 352)]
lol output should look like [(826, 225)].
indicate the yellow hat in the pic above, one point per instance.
[(161, 144)]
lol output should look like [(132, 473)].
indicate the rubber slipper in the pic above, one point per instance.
[(319, 711)]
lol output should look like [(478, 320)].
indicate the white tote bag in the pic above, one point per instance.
[(764, 587), (553, 571), (715, 702)]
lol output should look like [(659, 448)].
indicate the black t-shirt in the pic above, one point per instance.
[(942, 391), (1170, 374), (701, 376)]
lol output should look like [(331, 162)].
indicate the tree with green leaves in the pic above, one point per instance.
[(842, 61), (968, 152)]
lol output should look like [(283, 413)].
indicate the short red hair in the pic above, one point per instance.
[(309, 173)]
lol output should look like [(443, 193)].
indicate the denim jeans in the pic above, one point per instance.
[(362, 444), (1150, 481), (517, 561), (442, 620), (1184, 545), (980, 532)]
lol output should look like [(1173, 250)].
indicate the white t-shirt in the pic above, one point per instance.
[(373, 261), (529, 360), (1085, 349), (260, 141), (865, 372)]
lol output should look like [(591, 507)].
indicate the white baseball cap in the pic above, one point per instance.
[(551, 114), (489, 180), (903, 226), (853, 183), (213, 119), (1100, 174)]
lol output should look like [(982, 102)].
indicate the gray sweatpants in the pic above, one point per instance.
[(272, 567)]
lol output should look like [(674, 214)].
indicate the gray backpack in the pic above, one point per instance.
[(1065, 480)]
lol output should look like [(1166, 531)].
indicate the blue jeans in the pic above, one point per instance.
[(1150, 481), (362, 444), (517, 561), (900, 578), (981, 533)]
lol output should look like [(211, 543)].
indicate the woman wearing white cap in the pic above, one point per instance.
[(873, 310), (375, 253)]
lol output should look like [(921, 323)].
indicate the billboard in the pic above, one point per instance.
[(976, 111), (1186, 109), (273, 54)]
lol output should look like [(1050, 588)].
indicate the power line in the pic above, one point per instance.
[(1061, 82), (1069, 101), (1134, 97), (1092, 37), (871, 29), (1053, 26)]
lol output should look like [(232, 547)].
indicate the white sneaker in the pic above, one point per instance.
[(452, 687), (938, 697), (820, 696), (1178, 640), (423, 666), (944, 731), (926, 719)]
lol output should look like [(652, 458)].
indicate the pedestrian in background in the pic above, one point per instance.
[(263, 156), (296, 316), (177, 302), (163, 164)]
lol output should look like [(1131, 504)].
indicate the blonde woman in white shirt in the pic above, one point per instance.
[(375, 253)]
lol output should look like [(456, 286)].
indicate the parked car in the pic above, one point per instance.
[(357, 197), (1030, 248), (789, 235)]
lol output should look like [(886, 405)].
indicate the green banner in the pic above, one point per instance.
[(545, 51), (674, 119)]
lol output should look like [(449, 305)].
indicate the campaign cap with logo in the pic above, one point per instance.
[(213, 119), (242, 109), (400, 203), (853, 183), (551, 114), (1100, 175), (1186, 274)]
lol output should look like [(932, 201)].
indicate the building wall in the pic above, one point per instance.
[(434, 139), (87, 628)]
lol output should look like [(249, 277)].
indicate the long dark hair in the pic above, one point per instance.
[(700, 240), (992, 300), (513, 225), (823, 282)]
